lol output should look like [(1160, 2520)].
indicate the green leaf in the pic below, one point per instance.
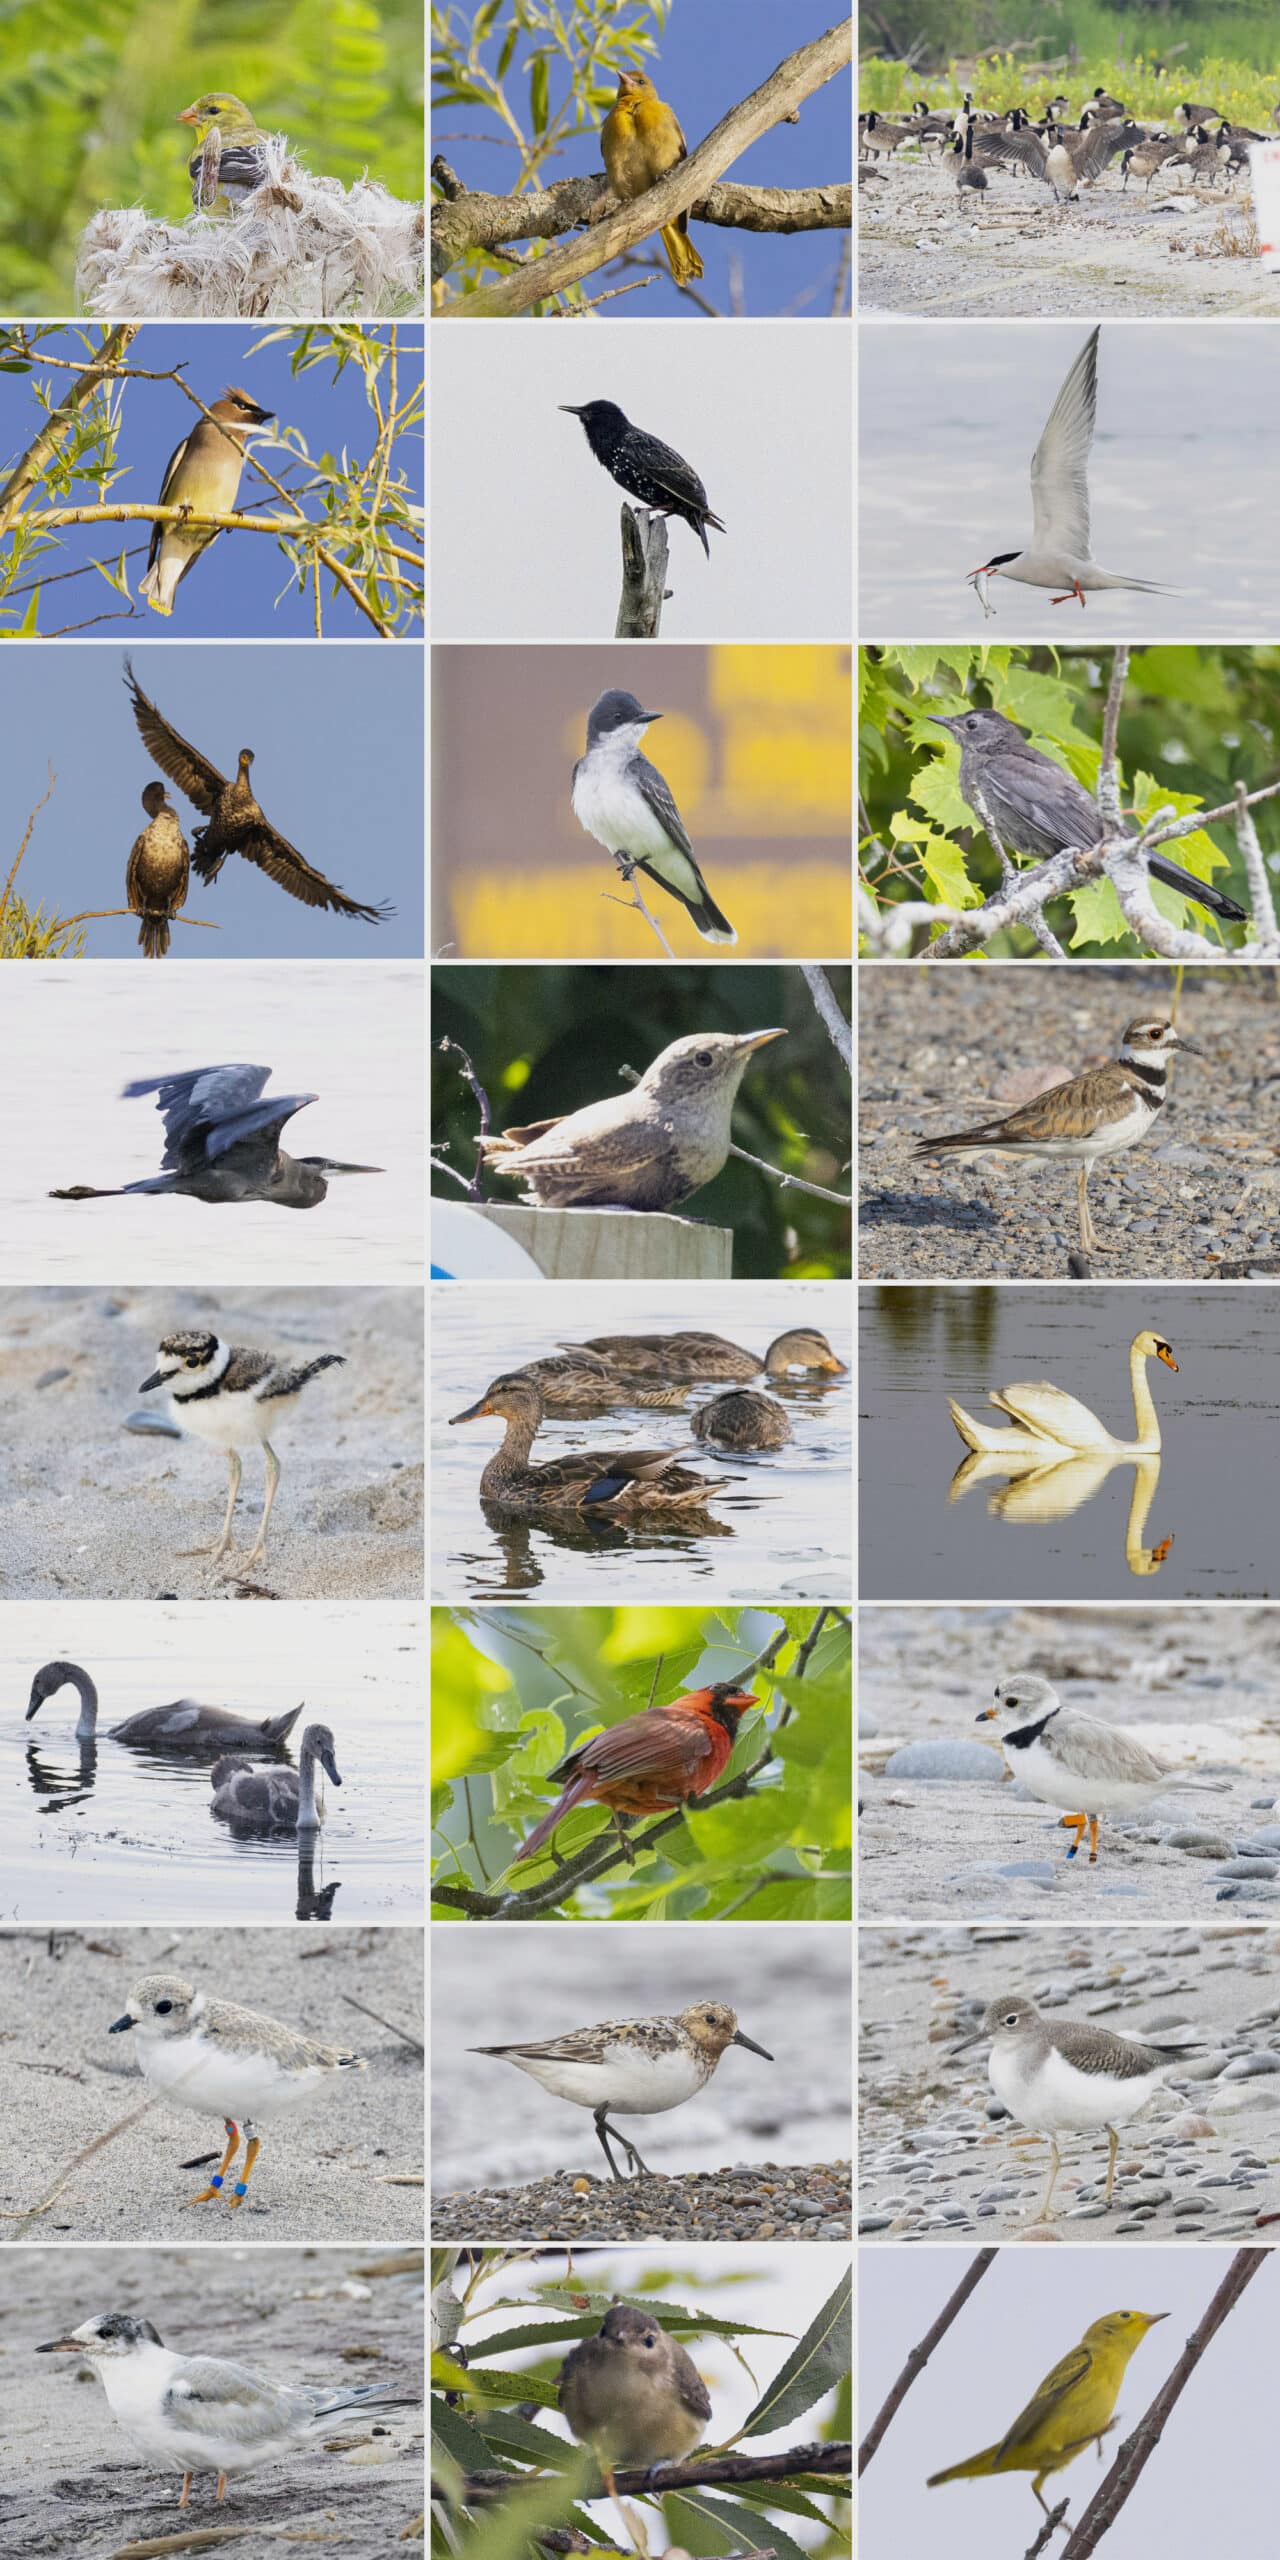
[(944, 868), (743, 2528), (470, 2449), (814, 2367), (1098, 913), (538, 91)]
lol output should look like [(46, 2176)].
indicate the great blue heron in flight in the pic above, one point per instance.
[(222, 1142)]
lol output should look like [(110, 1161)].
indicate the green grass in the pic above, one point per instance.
[(1230, 83)]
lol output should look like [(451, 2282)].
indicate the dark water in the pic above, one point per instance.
[(1215, 1493)]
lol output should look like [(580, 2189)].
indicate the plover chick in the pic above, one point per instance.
[(631, 2066), (219, 2059), (1056, 2076), (203, 2413), (1072, 1759), (234, 1398), (633, 2393)]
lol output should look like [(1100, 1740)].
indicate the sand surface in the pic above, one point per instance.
[(72, 2481), (91, 1509), (326, 2169)]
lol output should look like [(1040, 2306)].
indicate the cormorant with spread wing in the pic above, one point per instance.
[(222, 1142)]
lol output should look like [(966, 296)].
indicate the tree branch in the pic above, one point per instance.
[(919, 2356), (799, 2461), (55, 431), (687, 184), (645, 548), (839, 1031), (463, 220)]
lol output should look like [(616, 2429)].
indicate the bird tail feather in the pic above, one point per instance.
[(542, 1831), (978, 2466), (682, 257), (153, 937)]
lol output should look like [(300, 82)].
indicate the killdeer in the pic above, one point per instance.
[(234, 1398), (1099, 1113)]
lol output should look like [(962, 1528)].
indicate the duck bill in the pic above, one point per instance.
[(330, 1768), (751, 2045), (473, 1412)]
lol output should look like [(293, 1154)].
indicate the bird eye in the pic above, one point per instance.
[(703, 1058), (1010, 2018), (651, 2341), (163, 2007)]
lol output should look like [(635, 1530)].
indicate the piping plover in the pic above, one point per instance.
[(201, 2413), (634, 2066), (1068, 1758), (1058, 2076), (218, 2058)]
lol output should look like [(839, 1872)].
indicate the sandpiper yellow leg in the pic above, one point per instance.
[(250, 2155), (214, 2188)]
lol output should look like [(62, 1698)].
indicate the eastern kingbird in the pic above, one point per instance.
[(645, 467), (622, 800)]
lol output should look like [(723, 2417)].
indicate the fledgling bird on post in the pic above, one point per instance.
[(159, 868), (202, 474), (624, 802), (227, 163), (641, 140), (633, 2394), (646, 468), (648, 1148)]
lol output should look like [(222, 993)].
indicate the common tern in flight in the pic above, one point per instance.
[(1058, 554)]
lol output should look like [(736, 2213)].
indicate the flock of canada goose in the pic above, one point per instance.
[(975, 143)]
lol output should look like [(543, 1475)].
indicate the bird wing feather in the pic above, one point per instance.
[(263, 844), (1069, 2370), (642, 1747), (246, 2406), (658, 796), (175, 755), (1060, 463)]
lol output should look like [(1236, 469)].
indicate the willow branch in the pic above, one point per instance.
[(55, 431), (919, 2356), (800, 2461)]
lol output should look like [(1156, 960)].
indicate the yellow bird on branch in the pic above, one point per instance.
[(641, 140), (1073, 2407)]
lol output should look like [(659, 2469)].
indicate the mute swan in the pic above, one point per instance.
[(276, 1799), (1048, 1421), (1069, 1758), (185, 1724)]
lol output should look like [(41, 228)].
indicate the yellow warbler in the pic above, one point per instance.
[(1072, 2408)]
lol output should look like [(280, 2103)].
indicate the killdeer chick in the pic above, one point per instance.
[(633, 2394), (1068, 1758), (220, 2059), (1099, 1113), (631, 2066), (233, 1397), (1055, 2076)]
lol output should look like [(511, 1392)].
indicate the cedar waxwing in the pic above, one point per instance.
[(633, 2394), (641, 141), (204, 475), (236, 823), (227, 164), (159, 869)]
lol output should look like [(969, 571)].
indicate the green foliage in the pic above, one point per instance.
[(510, 1699), (1206, 715), (1218, 42)]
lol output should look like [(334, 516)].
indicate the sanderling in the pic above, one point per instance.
[(202, 2413), (633, 2393), (1058, 2076), (212, 2055), (234, 1398), (631, 2066)]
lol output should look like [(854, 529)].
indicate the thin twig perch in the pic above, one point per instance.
[(919, 2356)]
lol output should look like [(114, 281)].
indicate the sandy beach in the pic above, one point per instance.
[(96, 1510), (323, 2319), (341, 2167)]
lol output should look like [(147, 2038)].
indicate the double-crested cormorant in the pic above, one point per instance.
[(155, 882)]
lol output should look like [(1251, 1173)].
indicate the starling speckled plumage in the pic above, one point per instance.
[(645, 467), (648, 1148), (625, 803)]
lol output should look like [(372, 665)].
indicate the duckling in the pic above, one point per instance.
[(708, 1355), (598, 1483), (276, 1799), (742, 1419), (969, 176), (184, 1725)]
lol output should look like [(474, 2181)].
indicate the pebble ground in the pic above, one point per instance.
[(763, 2201)]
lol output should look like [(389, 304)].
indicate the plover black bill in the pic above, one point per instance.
[(220, 2059), (234, 1398), (1069, 1758), (1056, 2076), (203, 2413), (631, 2066)]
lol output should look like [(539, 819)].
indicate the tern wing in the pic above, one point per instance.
[(1060, 463), (207, 2394)]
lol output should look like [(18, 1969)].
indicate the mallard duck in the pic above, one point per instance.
[(276, 1799), (676, 1356), (742, 1419), (596, 1481), (184, 1724), (576, 1377)]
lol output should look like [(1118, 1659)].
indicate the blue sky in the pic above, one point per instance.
[(232, 592), (714, 53), (337, 734)]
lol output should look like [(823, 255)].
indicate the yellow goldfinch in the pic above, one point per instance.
[(1073, 2407), (204, 475), (227, 164), (641, 141)]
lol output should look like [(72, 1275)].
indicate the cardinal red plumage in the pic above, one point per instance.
[(652, 1761)]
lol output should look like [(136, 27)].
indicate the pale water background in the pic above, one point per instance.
[(782, 1526), (127, 1835), (1182, 477), (1218, 1494), (71, 1036)]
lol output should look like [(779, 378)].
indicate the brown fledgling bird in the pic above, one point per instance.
[(159, 869), (641, 140), (648, 1148), (633, 2394), (742, 1419)]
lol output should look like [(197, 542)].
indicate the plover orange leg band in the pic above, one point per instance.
[(214, 2188), (251, 2150)]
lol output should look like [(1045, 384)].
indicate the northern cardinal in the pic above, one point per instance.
[(650, 1761)]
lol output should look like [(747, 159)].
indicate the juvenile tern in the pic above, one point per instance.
[(1058, 554), (202, 2413)]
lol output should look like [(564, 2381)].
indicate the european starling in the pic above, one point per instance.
[(158, 872), (633, 2394), (645, 467), (640, 140), (623, 801), (202, 473), (1038, 808), (648, 1148)]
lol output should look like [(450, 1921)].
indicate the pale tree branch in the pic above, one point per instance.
[(919, 2356), (56, 429), (839, 1032), (463, 219)]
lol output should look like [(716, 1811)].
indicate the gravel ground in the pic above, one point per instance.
[(1182, 248), (1199, 1687), (72, 2482), (938, 2157), (94, 1510), (324, 2173), (762, 2201), (943, 1050)]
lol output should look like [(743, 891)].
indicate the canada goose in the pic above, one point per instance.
[(1014, 145), (1052, 1424), (928, 121), (276, 1799), (1275, 115), (1146, 159), (968, 174), (874, 134), (184, 1724), (1192, 115), (1205, 158), (1103, 104), (1068, 1758)]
